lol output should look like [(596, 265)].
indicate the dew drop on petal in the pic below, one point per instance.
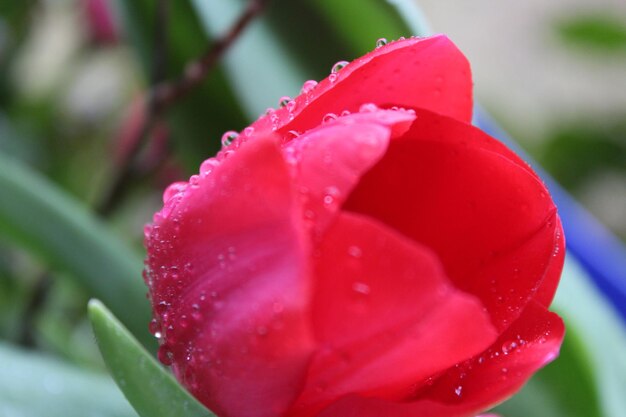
[(458, 391), (165, 355), (194, 180), (308, 86), (207, 166), (292, 134), (154, 327), (355, 251), (361, 288), (338, 66), (229, 137), (368, 108), (173, 189), (508, 347), (381, 42), (329, 117), (284, 101), (248, 131), (332, 77)]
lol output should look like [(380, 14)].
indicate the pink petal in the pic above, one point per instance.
[(429, 73), (485, 214), (385, 316), (530, 343), (230, 284), (329, 160)]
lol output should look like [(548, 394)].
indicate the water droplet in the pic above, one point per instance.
[(338, 66), (154, 327), (161, 307), (345, 113), (207, 166), (368, 108), (248, 131), (329, 117), (173, 189), (331, 194), (292, 134), (458, 391), (361, 288), (308, 86), (508, 347), (381, 42), (229, 137), (284, 101), (332, 77), (355, 251), (165, 355)]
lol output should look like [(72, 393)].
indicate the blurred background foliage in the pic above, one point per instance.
[(80, 173)]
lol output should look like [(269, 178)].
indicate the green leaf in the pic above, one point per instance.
[(151, 390), (588, 378), (40, 217), (361, 22), (602, 32), (34, 386), (601, 333)]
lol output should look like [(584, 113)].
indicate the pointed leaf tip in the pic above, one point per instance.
[(148, 387)]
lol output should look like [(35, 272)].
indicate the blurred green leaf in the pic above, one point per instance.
[(601, 332), (151, 390), (576, 151), (600, 31), (40, 217), (361, 22), (32, 385)]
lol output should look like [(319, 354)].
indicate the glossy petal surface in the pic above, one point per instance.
[(385, 316), (429, 73), (531, 342), (328, 161), (452, 188), (208, 254)]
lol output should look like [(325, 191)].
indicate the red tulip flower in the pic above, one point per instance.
[(363, 251)]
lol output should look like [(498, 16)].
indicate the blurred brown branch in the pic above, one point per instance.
[(164, 93)]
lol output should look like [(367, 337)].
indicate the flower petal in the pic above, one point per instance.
[(230, 284), (429, 73), (474, 203), (385, 316), (477, 384), (329, 160)]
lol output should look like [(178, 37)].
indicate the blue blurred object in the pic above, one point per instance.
[(591, 243)]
